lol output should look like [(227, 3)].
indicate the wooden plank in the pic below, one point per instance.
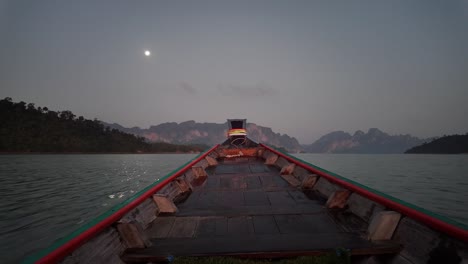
[(301, 198), (165, 205), (199, 174), (106, 247), (271, 159), (338, 199), (224, 183), (206, 227), (290, 224), (265, 224), (160, 227), (324, 187), (184, 227), (211, 161), (309, 181), (281, 162), (363, 207), (272, 181), (240, 225), (211, 227), (206, 199), (288, 169), (238, 182), (258, 168), (143, 214), (305, 224), (230, 199), (131, 235), (258, 246), (253, 182), (184, 190), (232, 169), (348, 222), (221, 226), (280, 182), (280, 198), (253, 210), (267, 180), (383, 224), (256, 198), (293, 181), (191, 201), (212, 182), (182, 185), (318, 223)]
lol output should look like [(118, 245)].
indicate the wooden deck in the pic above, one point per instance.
[(246, 208)]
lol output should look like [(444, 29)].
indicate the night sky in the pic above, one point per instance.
[(304, 68)]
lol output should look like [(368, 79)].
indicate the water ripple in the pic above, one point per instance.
[(45, 197)]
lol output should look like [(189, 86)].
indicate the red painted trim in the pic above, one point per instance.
[(77, 241), (433, 222)]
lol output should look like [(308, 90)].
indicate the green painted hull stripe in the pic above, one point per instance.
[(35, 257), (412, 206)]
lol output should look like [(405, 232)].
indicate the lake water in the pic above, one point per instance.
[(45, 197)]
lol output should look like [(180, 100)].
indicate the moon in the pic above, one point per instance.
[(147, 53)]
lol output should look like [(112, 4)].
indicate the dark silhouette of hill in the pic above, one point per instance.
[(372, 142), (26, 128), (454, 144)]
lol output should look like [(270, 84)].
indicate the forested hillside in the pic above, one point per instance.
[(454, 144), (27, 128)]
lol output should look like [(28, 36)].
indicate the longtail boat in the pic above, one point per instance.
[(247, 200)]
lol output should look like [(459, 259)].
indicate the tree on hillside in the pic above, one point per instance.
[(26, 128)]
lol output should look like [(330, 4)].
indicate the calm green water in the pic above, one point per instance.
[(45, 197)]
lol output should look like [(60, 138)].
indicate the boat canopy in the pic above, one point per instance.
[(237, 128)]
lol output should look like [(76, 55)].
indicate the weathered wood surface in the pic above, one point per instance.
[(143, 214), (165, 205), (271, 159), (265, 245), (324, 187), (338, 199), (281, 162), (288, 169), (293, 181), (422, 244), (132, 236), (382, 225), (363, 207), (106, 247), (309, 181), (243, 201), (211, 161)]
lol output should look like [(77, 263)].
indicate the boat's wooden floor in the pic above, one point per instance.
[(246, 208)]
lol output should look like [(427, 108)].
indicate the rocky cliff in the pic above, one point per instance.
[(191, 132), (372, 142)]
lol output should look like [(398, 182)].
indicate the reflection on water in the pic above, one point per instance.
[(45, 197)]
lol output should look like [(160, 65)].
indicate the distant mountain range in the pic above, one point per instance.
[(372, 142), (191, 132)]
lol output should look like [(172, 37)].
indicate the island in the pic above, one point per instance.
[(453, 144)]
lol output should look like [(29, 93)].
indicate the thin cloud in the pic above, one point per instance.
[(187, 87), (259, 90)]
